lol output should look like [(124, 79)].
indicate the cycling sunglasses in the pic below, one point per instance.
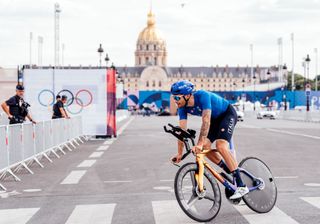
[(177, 98)]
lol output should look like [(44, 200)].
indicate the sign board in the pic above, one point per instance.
[(85, 89)]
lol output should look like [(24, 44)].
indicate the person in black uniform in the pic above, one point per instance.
[(16, 108), (58, 108)]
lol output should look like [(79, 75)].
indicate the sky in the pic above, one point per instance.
[(201, 33)]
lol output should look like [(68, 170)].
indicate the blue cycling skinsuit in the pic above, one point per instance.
[(223, 115)]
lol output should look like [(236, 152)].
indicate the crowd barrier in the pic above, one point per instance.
[(3, 119), (24, 144), (296, 115)]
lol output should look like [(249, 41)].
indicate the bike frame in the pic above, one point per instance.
[(200, 160), (185, 136)]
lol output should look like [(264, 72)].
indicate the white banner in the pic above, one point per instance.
[(85, 89)]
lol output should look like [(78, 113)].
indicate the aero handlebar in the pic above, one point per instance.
[(182, 135)]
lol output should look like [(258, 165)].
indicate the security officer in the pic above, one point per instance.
[(58, 108), (16, 108)]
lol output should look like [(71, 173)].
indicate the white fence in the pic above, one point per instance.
[(23, 144), (311, 116), (3, 119)]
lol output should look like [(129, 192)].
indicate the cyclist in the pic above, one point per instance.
[(218, 121)]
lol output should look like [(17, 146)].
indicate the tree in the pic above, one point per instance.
[(300, 82)]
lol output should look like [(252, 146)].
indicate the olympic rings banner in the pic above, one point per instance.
[(85, 89)]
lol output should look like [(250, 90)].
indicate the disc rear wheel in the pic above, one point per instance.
[(263, 199)]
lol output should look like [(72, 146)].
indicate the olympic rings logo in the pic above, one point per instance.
[(75, 103)]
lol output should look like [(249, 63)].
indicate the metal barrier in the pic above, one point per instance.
[(23, 144), (3, 119)]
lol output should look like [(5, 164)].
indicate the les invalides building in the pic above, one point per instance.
[(151, 71)]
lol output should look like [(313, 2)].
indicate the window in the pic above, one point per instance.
[(159, 83), (147, 60), (155, 61), (139, 60), (153, 83), (154, 47), (147, 84), (147, 47), (141, 47)]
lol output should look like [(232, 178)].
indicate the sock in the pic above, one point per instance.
[(236, 174), (224, 166)]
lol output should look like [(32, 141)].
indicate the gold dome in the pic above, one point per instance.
[(150, 33)]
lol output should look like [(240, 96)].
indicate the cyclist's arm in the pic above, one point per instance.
[(183, 125), (206, 119)]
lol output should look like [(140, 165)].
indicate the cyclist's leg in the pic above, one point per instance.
[(214, 155)]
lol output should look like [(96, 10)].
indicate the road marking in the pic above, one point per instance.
[(96, 154), (312, 184), (293, 133), (32, 190), (162, 188), (169, 212), (166, 180), (74, 177), (123, 127), (315, 201), (103, 148), (117, 181), (275, 215), (87, 163), (96, 213), (5, 194), (108, 142), (17, 216), (286, 177)]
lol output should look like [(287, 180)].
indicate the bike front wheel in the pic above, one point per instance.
[(200, 209), (264, 198)]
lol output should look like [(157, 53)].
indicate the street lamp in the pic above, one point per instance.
[(243, 81), (107, 59), (100, 51), (307, 62), (267, 98), (284, 96), (254, 92)]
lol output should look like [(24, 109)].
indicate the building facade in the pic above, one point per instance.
[(151, 71)]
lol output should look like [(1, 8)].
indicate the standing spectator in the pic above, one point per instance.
[(58, 108), (16, 108)]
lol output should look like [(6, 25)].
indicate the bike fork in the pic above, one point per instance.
[(199, 175)]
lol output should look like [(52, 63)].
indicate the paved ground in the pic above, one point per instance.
[(129, 180)]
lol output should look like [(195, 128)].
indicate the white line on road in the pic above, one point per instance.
[(87, 163), (169, 212), (286, 177), (312, 184), (117, 181), (103, 148), (96, 154), (74, 177), (123, 127), (108, 142), (167, 180), (32, 190), (315, 201), (17, 216), (268, 218), (96, 213), (293, 133)]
